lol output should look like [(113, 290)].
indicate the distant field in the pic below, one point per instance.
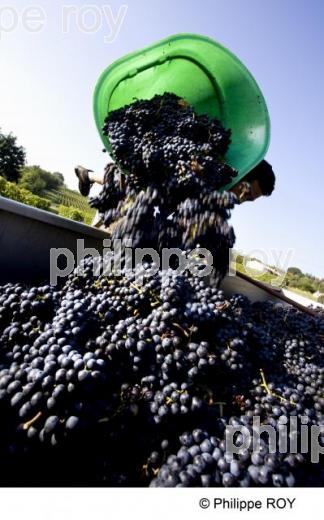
[(66, 198), (69, 198), (267, 277)]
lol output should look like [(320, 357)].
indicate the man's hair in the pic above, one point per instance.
[(262, 173)]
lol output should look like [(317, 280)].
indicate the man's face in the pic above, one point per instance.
[(255, 190), (247, 191)]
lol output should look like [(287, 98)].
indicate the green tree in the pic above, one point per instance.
[(53, 181), (37, 180), (12, 157), (295, 271), (59, 179), (32, 179), (306, 284), (321, 286)]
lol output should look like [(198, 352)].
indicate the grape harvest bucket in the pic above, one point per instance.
[(207, 75)]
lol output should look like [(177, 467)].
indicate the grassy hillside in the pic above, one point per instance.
[(70, 199), (297, 282)]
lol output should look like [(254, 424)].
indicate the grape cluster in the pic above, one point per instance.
[(107, 382), (174, 159), (165, 139), (126, 377)]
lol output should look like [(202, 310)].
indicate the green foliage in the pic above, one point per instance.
[(58, 179), (71, 199), (294, 271), (302, 281), (72, 213), (38, 187), (239, 259), (295, 279), (37, 180), (88, 217), (306, 284), (15, 192), (267, 278), (32, 181), (63, 201), (12, 157)]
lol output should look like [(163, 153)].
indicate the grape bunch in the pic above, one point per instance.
[(106, 382), (132, 377), (174, 159), (165, 139)]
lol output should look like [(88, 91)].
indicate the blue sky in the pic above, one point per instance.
[(48, 79)]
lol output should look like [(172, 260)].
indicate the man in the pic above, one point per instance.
[(260, 181)]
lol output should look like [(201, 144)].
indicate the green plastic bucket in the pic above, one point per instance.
[(205, 74)]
